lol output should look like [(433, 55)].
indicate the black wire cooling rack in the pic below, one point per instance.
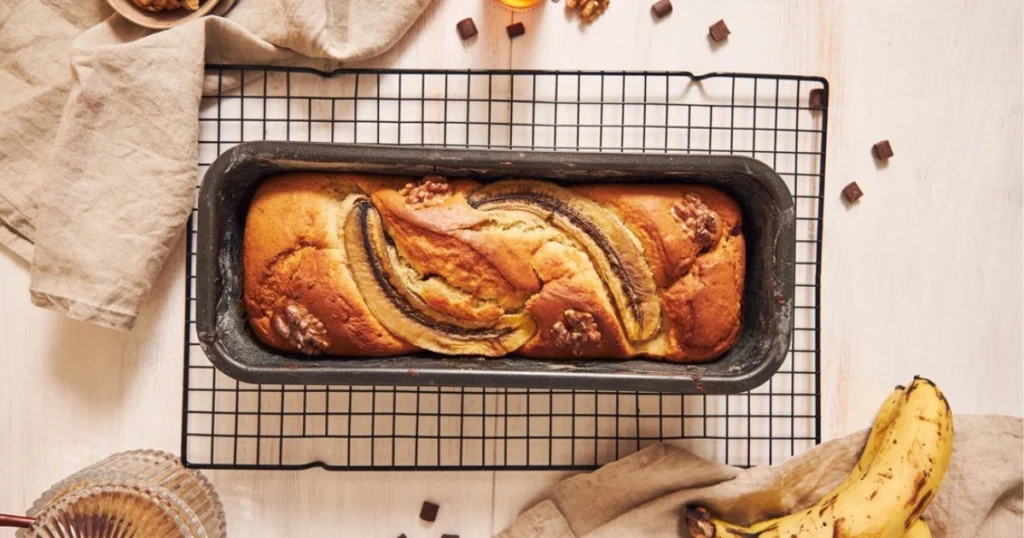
[(230, 424)]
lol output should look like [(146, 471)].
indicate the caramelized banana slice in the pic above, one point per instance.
[(405, 314), (618, 259)]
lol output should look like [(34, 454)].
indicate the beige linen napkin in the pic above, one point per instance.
[(644, 494), (98, 158)]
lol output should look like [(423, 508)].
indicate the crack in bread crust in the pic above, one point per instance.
[(363, 210), (615, 252)]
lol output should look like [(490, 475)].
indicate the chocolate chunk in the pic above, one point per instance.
[(466, 28), (882, 150), (719, 31), (449, 536), (429, 511), (661, 8), (402, 535), (852, 192), (515, 30), (816, 100)]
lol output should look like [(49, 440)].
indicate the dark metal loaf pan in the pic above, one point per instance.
[(767, 303)]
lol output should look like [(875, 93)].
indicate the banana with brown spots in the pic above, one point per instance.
[(884, 497)]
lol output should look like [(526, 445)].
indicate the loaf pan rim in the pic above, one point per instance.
[(688, 378)]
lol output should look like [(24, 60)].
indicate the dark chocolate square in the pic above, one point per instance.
[(852, 192), (515, 30), (466, 28), (719, 31), (816, 99), (882, 150), (662, 8), (428, 512), (449, 536)]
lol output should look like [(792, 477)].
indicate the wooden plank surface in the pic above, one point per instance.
[(923, 276)]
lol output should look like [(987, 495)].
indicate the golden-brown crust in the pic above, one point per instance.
[(428, 239), (704, 306), (701, 290), (571, 283), (292, 254), (479, 265)]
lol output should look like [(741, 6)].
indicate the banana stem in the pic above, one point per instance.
[(699, 523)]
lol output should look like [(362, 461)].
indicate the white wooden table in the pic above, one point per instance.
[(923, 276)]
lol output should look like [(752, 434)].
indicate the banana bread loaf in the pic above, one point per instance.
[(359, 265)]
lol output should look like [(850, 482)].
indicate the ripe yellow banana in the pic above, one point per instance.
[(887, 492), (883, 421)]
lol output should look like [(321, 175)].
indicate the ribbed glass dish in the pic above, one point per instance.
[(116, 511), (139, 493)]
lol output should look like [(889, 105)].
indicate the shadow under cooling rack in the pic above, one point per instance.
[(229, 424)]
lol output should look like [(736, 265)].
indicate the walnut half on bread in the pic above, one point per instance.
[(359, 265)]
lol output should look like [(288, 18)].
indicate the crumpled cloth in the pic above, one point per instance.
[(644, 494), (99, 129)]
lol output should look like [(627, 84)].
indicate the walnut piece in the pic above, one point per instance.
[(699, 221), (165, 5), (302, 329), (593, 9), (589, 9), (578, 330), (428, 192)]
